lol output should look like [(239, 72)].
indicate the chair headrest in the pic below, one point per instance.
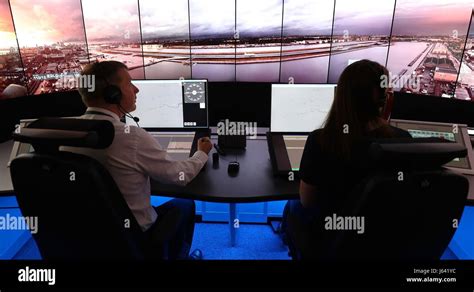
[(51, 133), (415, 153)]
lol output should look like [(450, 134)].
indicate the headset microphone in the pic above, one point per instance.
[(135, 119)]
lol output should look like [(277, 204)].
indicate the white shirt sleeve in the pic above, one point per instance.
[(154, 161)]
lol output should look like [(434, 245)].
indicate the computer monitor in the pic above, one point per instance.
[(240, 101), (171, 104), (300, 107), (452, 132)]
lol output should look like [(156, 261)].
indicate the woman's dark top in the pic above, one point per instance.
[(334, 177)]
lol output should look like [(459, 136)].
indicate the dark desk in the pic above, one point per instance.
[(253, 183)]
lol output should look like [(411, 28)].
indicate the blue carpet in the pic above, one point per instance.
[(254, 242)]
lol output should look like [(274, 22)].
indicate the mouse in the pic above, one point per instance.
[(233, 168)]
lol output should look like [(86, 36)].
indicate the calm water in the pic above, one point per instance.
[(402, 53), (311, 70), (339, 62), (264, 72), (167, 70), (215, 72)]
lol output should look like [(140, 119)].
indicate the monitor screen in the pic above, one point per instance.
[(240, 101), (300, 107), (171, 104)]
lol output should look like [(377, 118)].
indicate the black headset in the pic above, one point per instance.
[(112, 93)]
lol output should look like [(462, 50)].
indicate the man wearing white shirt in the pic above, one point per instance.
[(134, 156)]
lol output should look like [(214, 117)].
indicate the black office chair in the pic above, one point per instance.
[(81, 212), (68, 103), (409, 203)]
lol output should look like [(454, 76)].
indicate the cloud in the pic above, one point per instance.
[(40, 22), (369, 17), (212, 17), (164, 19), (115, 21), (424, 17), (259, 18), (6, 24), (303, 17)]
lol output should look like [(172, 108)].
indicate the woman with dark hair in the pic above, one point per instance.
[(333, 160)]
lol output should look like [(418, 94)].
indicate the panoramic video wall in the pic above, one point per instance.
[(428, 46)]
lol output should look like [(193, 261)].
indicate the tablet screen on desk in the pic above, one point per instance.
[(177, 145), (286, 151), (294, 146), (449, 132)]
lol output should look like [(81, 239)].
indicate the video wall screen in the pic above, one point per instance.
[(428, 46), (165, 36), (52, 42), (465, 82), (212, 31), (258, 40), (306, 41), (113, 33), (361, 31), (11, 68)]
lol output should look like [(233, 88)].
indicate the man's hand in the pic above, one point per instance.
[(204, 144)]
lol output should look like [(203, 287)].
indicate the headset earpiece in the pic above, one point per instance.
[(112, 94)]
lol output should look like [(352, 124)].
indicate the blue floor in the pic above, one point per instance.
[(254, 242)]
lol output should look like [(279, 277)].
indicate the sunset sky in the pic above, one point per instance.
[(368, 17), (40, 22), (212, 18), (111, 20), (428, 17), (308, 17), (259, 18), (164, 19), (7, 34)]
